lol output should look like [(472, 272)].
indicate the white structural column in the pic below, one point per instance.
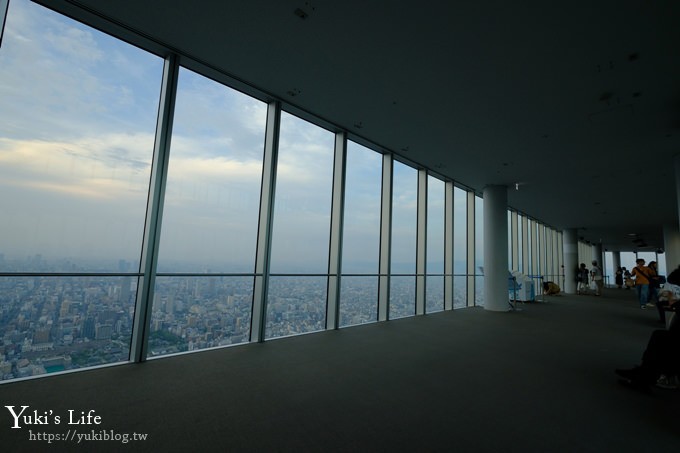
[(676, 163), (570, 246), (448, 247), (670, 232), (471, 250), (599, 256), (616, 261), (496, 248), (385, 240), (671, 244), (154, 211), (337, 213), (421, 246), (264, 234), (514, 227)]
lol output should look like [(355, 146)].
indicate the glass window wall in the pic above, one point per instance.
[(77, 127)]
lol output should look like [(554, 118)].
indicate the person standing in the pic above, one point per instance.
[(582, 279), (653, 295), (627, 280), (598, 279), (618, 278), (641, 274)]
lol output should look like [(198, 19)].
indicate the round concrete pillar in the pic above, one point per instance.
[(496, 248)]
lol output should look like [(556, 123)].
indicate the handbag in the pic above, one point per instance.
[(657, 280)]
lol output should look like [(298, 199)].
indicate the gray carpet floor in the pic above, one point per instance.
[(540, 379)]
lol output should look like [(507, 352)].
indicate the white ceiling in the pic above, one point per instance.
[(578, 102)]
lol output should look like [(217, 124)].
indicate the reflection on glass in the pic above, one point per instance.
[(358, 300), (77, 128), (192, 313), (214, 177), (296, 305), (52, 324), (304, 178), (361, 235)]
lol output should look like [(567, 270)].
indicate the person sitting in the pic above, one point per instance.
[(550, 288), (660, 361), (668, 295)]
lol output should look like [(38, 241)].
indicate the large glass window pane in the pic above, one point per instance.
[(77, 127), (77, 123), (609, 270), (627, 260), (647, 256), (303, 198), (404, 226), (301, 229), (459, 247), (50, 324), (434, 295), (361, 234), (296, 305), (214, 177), (663, 269), (358, 300), (192, 313)]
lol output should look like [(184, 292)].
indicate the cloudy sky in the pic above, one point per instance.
[(77, 123)]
